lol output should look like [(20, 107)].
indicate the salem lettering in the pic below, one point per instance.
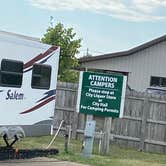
[(14, 95)]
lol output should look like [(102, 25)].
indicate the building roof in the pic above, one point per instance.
[(123, 53), (20, 36)]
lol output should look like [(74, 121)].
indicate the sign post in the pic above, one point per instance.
[(101, 94)]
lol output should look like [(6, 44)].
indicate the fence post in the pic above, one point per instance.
[(67, 138), (106, 137), (75, 125), (145, 112)]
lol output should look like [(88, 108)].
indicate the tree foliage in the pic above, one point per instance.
[(69, 47)]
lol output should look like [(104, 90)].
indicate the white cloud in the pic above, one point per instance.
[(149, 6), (131, 10)]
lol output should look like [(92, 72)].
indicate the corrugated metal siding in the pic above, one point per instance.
[(141, 65)]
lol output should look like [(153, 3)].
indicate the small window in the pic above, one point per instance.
[(155, 81), (158, 81), (163, 82), (41, 76), (11, 73)]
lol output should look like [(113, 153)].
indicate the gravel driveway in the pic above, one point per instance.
[(38, 162)]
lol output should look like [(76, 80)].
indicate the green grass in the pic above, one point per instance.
[(118, 156)]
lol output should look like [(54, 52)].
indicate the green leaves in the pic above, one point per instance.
[(69, 47)]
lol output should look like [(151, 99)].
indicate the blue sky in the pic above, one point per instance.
[(104, 25)]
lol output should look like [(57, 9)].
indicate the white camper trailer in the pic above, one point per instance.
[(28, 77)]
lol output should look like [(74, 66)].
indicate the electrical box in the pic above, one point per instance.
[(90, 128), (88, 138)]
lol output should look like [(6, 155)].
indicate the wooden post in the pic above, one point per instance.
[(69, 133), (100, 142), (144, 123), (67, 138), (74, 125), (106, 137)]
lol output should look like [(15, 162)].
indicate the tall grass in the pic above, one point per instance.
[(118, 156)]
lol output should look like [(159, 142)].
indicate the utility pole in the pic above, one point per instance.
[(87, 51), (51, 21)]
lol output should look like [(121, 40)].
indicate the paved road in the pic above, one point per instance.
[(38, 162)]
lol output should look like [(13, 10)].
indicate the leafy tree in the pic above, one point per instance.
[(65, 38)]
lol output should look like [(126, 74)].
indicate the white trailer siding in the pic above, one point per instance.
[(33, 105), (140, 65)]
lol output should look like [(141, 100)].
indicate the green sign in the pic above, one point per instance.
[(101, 94)]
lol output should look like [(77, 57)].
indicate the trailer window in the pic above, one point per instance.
[(41, 76), (11, 73)]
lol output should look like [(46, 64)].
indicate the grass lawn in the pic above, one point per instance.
[(118, 156)]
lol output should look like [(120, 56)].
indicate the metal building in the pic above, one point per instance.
[(145, 65)]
